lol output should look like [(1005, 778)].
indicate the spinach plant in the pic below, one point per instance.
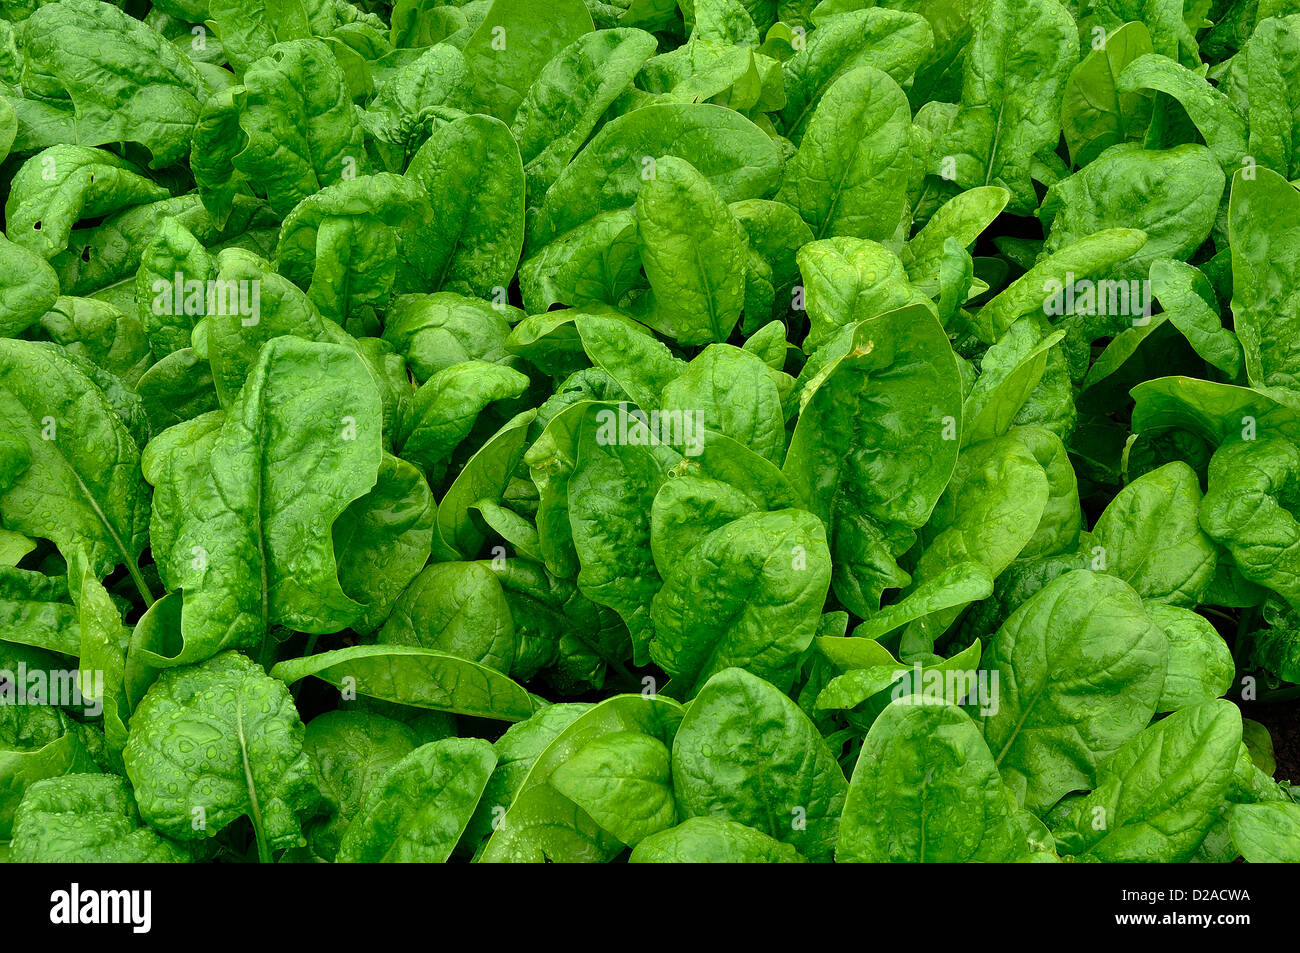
[(600, 430)]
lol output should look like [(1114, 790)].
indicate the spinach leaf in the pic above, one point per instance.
[(640, 415), (216, 741)]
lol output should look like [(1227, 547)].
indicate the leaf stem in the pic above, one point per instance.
[(255, 810), (140, 584)]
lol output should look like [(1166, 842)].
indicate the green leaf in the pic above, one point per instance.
[(693, 254), (713, 840), (1010, 371), (894, 41), (1217, 412), (35, 610), (473, 178), (1011, 103), (1265, 242), (623, 780), (83, 483), (383, 540), (37, 740), (418, 811), (485, 476), (930, 682), (1244, 511), (109, 78), (1118, 190), (517, 751), (739, 160), (850, 174), (217, 741), (1271, 66), (1092, 255), (408, 675), (704, 492), (749, 595), (542, 823), (1080, 668), (781, 780), (352, 751), (1188, 300), (564, 104), (1150, 538), (963, 218), (874, 475), (512, 44), (102, 657), (609, 499), (444, 409), (1155, 798), (1266, 833), (848, 280), (299, 129), (1214, 115), (28, 289), (1094, 113), (305, 407), (435, 331), (926, 789), (86, 819), (641, 364), (1200, 662), (458, 609)]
